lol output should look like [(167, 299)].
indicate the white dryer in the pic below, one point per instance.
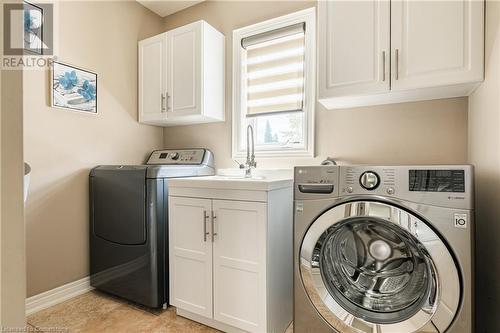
[(383, 249)]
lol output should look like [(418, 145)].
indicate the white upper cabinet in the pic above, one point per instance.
[(184, 64), (437, 43), (381, 51), (152, 78), (184, 84), (355, 47)]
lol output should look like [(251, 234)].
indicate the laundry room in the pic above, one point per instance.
[(250, 166)]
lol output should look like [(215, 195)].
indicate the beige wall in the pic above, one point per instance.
[(484, 153), (12, 245), (425, 132), (13, 270), (62, 146)]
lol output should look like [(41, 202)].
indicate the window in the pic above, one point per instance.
[(274, 86)]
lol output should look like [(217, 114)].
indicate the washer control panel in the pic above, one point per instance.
[(440, 185), (184, 156)]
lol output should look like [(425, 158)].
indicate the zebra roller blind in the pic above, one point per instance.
[(275, 71)]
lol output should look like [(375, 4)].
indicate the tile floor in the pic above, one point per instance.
[(95, 312)]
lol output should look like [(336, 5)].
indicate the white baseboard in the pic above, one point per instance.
[(57, 295)]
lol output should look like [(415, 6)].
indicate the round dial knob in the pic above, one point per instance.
[(369, 180), (174, 156)]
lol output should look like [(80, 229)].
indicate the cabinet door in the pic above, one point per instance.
[(190, 254), (152, 79), (436, 43), (184, 70), (354, 47), (239, 264)]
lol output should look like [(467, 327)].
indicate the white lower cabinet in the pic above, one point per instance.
[(239, 259), (190, 255), (220, 265)]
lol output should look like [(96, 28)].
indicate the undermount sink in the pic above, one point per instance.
[(257, 174), (238, 177), (262, 179)]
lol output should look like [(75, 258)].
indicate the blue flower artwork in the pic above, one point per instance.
[(33, 28), (28, 20), (87, 91), (68, 80), (73, 88)]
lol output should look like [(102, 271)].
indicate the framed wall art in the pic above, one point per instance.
[(33, 28), (73, 88)]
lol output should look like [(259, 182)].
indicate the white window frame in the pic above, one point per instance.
[(308, 16)]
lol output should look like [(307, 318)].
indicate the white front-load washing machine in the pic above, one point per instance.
[(383, 249)]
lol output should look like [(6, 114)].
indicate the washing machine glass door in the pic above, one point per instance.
[(373, 267)]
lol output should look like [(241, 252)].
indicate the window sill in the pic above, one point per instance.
[(276, 154)]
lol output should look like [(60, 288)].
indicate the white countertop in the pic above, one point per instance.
[(233, 179)]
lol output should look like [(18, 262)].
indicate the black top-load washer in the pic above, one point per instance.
[(129, 223)]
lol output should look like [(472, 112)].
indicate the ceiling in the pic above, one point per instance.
[(167, 7)]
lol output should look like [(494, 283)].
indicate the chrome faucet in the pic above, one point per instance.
[(250, 163)]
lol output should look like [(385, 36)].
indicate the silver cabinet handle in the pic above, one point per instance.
[(163, 103), (168, 97), (205, 232), (383, 65), (397, 64), (214, 217)]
